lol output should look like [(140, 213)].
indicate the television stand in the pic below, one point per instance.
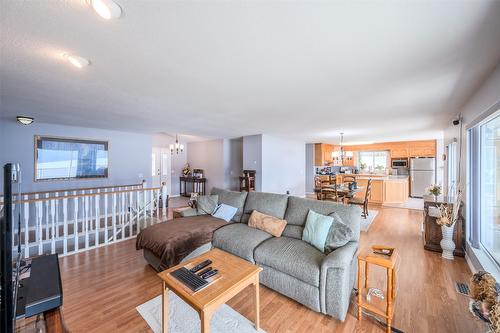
[(41, 293)]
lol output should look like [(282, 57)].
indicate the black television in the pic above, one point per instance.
[(9, 257)]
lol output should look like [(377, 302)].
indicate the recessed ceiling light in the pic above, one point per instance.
[(107, 9), (77, 61), (24, 120)]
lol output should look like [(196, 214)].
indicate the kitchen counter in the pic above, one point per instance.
[(390, 177), (385, 189)]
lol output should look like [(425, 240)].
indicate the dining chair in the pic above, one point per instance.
[(363, 202), (322, 189), (331, 192), (349, 179)]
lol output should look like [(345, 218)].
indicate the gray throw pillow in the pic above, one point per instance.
[(206, 204), (338, 235)]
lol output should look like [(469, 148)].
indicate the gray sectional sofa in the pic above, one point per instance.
[(291, 266)]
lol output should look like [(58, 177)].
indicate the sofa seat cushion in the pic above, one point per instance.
[(239, 239), (291, 256)]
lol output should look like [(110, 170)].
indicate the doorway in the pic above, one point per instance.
[(161, 168)]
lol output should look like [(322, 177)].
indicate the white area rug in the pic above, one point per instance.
[(411, 203), (184, 319), (365, 223)]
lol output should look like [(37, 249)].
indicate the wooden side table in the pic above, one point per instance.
[(383, 308), (432, 231)]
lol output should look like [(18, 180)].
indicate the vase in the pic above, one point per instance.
[(447, 243)]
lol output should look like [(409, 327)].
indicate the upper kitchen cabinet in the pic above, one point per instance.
[(323, 154), (423, 149), (399, 152), (402, 149)]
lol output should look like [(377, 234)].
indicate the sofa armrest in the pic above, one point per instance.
[(340, 257), (338, 274)]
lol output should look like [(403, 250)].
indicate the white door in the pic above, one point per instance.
[(160, 168)]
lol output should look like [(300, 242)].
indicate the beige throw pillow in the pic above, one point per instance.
[(267, 223)]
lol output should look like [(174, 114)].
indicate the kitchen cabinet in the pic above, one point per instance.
[(401, 149), (423, 151), (385, 189), (399, 152), (377, 192), (322, 154), (395, 190)]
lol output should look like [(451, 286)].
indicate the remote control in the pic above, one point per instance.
[(201, 265), (206, 270), (209, 274)]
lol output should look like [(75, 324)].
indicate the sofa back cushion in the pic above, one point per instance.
[(267, 203), (231, 198), (298, 208)]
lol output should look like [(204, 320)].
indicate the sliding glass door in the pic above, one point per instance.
[(489, 196)]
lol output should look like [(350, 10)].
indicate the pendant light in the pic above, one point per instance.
[(176, 147)]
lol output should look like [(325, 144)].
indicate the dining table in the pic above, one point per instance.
[(344, 189)]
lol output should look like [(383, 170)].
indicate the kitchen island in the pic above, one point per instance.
[(385, 189)]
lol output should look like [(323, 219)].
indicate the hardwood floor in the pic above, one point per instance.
[(102, 287)]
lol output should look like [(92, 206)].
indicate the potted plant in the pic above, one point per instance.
[(434, 190), (448, 215)]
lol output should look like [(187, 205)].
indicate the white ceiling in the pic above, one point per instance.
[(376, 70)]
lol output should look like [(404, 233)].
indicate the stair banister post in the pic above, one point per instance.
[(164, 199)]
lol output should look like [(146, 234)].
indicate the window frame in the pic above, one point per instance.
[(473, 191), (387, 158)]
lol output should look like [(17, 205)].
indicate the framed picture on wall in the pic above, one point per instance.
[(67, 158)]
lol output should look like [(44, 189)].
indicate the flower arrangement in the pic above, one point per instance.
[(448, 214), (445, 215), (434, 189)]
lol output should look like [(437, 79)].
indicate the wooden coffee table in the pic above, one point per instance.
[(235, 274)]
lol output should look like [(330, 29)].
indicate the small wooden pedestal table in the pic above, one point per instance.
[(235, 275), (377, 305)]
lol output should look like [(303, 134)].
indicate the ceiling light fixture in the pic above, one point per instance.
[(107, 9), (24, 120), (76, 61), (176, 147), (341, 155)]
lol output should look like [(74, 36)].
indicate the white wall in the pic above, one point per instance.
[(310, 168), (221, 160), (233, 163), (440, 163), (283, 165), (252, 157), (486, 96), (129, 154), (478, 106), (209, 156)]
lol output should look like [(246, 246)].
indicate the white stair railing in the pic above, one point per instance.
[(70, 221)]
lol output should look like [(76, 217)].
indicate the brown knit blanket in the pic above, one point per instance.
[(173, 240)]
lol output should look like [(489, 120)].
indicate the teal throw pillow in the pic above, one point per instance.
[(316, 229)]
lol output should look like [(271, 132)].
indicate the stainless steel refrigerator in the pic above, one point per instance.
[(422, 175)]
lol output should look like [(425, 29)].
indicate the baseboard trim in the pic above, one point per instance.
[(469, 263)]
